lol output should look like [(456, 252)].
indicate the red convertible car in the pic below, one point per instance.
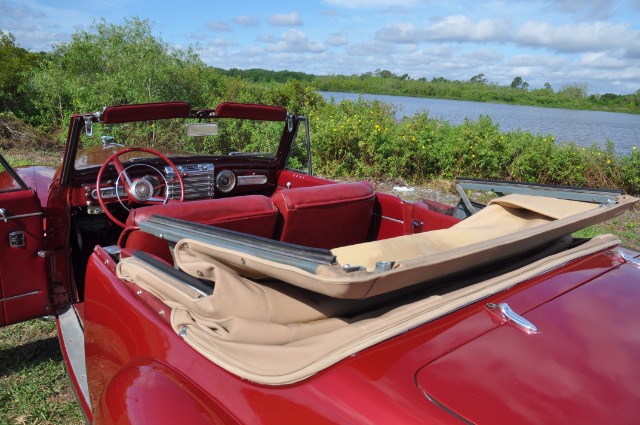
[(201, 274)]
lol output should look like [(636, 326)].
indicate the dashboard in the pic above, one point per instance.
[(200, 180)]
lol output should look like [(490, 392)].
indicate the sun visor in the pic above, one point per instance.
[(145, 112), (251, 111)]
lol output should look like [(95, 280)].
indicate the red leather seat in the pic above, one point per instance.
[(253, 214), (325, 216)]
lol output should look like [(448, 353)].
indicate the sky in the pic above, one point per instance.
[(587, 42)]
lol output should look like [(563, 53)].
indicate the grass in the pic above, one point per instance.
[(625, 226), (34, 387)]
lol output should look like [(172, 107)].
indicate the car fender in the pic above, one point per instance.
[(149, 392), (39, 179)]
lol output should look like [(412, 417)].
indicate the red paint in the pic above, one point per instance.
[(23, 280), (374, 386), (580, 368), (389, 217), (289, 179)]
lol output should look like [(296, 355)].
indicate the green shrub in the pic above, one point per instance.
[(364, 139)]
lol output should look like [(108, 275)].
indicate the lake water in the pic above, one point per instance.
[(582, 127)]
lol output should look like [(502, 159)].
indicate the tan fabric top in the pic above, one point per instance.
[(277, 332), (503, 216), (508, 226), (273, 333)]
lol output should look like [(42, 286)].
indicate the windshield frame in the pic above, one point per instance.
[(80, 123)]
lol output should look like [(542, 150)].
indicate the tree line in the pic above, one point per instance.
[(116, 64)]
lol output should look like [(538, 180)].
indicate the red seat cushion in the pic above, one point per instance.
[(325, 216), (253, 214)]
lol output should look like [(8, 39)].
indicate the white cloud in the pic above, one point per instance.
[(371, 47), (581, 37), (452, 28), (218, 26), (594, 9), (14, 10), (246, 21), (295, 41), (222, 43), (360, 4), (268, 38), (602, 61), (337, 40), (536, 60), (285, 20)]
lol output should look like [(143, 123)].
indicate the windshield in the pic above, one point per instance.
[(235, 137)]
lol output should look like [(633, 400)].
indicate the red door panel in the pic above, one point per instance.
[(23, 280)]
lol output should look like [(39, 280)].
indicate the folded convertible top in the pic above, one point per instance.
[(508, 226), (284, 328)]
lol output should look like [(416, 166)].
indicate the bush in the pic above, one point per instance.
[(364, 139), (117, 65)]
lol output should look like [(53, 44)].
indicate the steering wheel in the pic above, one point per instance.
[(139, 191)]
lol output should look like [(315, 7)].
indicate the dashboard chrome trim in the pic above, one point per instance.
[(254, 179)]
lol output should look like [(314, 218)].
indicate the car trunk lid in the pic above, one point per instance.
[(580, 366)]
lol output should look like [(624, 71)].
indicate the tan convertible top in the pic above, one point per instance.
[(508, 226), (275, 334), (276, 331)]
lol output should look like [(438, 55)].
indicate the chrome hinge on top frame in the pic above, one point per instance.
[(289, 122), (504, 312)]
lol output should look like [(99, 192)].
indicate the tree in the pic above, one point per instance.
[(119, 64), (547, 87), (385, 73), (479, 79), (574, 91), (15, 64), (517, 83)]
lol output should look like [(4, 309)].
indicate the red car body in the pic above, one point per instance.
[(129, 366)]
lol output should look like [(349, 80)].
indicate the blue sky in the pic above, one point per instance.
[(592, 42)]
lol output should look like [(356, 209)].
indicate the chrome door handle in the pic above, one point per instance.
[(3, 214)]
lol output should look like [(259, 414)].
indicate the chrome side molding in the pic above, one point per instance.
[(505, 312), (629, 259)]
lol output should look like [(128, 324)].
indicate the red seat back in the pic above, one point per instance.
[(325, 216), (253, 214)]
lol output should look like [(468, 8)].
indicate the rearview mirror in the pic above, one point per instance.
[(202, 129)]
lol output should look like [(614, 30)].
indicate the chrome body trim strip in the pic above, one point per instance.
[(13, 217), (388, 218), (629, 259), (19, 296), (72, 334)]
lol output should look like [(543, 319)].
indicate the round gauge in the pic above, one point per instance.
[(226, 181)]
